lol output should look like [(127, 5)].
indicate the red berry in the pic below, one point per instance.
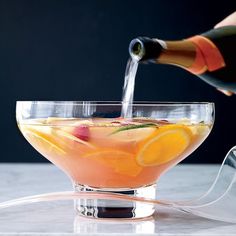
[(82, 132)]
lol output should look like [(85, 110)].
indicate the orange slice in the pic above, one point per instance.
[(166, 144), (42, 138), (121, 162)]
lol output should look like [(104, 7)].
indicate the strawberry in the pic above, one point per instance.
[(82, 132)]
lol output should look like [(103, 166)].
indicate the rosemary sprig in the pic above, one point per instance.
[(129, 127)]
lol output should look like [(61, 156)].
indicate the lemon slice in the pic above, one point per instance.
[(166, 144), (42, 140), (133, 134), (73, 138), (121, 162), (200, 129), (66, 122), (52, 119)]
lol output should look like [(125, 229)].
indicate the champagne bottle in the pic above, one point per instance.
[(211, 56)]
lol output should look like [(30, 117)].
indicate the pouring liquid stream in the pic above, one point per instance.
[(128, 88)]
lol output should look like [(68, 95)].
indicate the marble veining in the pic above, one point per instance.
[(58, 218)]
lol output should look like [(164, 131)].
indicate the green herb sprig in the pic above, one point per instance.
[(129, 127)]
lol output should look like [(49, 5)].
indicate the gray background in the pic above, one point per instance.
[(77, 50)]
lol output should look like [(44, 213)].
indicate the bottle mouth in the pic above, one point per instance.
[(136, 49), (143, 49)]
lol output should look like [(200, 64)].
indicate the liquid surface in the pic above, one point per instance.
[(114, 153)]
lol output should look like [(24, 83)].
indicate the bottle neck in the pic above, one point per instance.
[(181, 53)]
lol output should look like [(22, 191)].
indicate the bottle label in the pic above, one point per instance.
[(208, 56)]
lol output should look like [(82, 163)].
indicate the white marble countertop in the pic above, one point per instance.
[(58, 218)]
